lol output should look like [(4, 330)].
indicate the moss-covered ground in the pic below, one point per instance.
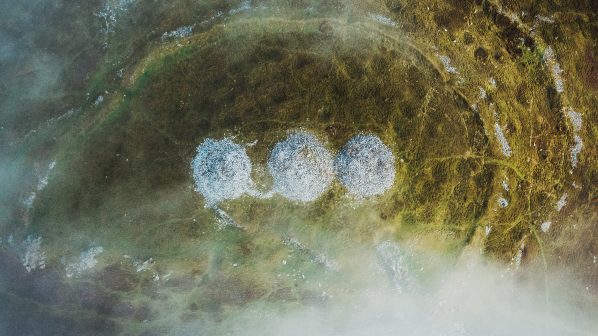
[(122, 178)]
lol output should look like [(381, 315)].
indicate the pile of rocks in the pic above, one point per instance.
[(365, 166), (221, 170), (302, 168)]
